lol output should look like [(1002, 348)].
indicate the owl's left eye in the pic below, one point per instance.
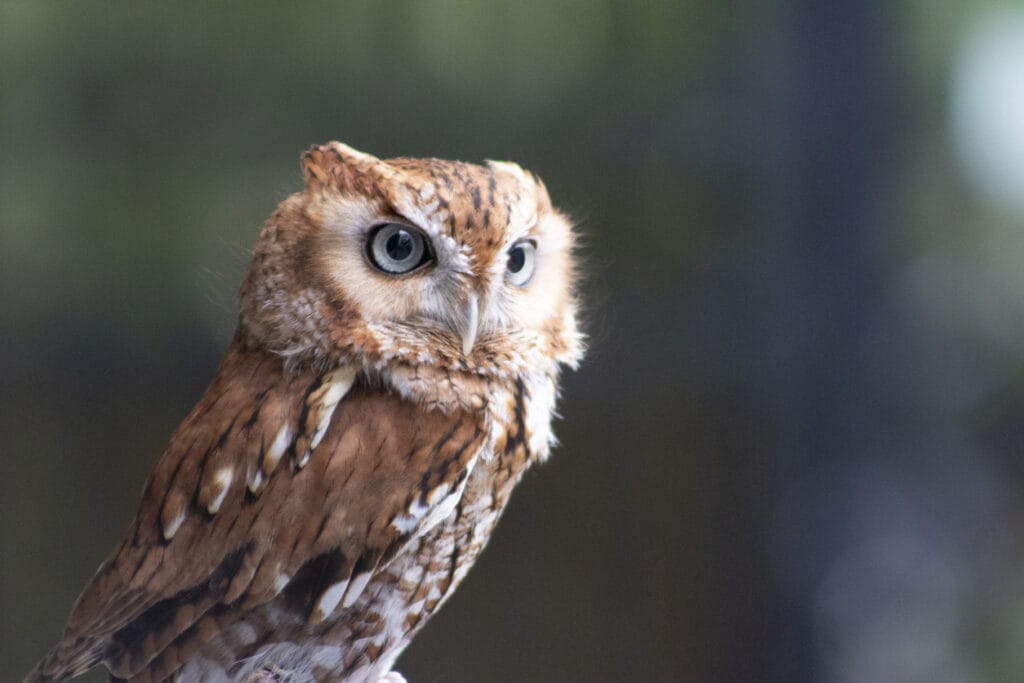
[(397, 249), (521, 259)]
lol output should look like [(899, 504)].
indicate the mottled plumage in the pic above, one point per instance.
[(393, 374)]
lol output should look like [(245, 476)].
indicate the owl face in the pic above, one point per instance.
[(419, 261)]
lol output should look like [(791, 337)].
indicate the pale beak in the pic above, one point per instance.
[(471, 322)]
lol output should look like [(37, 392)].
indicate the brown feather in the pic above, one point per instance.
[(348, 462), (380, 454)]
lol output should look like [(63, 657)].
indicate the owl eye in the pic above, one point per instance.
[(521, 259), (397, 249)]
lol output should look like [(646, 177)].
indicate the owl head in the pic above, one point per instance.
[(414, 263)]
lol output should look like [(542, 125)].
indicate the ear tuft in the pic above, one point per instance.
[(510, 167), (524, 177), (334, 165)]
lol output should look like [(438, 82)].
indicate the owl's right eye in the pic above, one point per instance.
[(397, 249)]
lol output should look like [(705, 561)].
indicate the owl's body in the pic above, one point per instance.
[(394, 373)]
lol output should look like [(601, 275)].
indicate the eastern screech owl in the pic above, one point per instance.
[(394, 372)]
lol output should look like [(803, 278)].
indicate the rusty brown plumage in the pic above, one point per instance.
[(354, 451)]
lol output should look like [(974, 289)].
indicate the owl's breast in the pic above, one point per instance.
[(447, 521), (415, 585)]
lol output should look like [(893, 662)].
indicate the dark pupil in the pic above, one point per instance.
[(399, 246), (516, 259)]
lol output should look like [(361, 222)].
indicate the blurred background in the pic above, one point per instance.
[(794, 452)]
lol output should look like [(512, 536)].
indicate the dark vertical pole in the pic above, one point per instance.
[(830, 110), (837, 135)]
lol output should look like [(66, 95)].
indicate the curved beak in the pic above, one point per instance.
[(470, 323)]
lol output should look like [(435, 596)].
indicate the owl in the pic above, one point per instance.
[(403, 323)]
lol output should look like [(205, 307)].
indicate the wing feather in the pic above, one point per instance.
[(223, 527)]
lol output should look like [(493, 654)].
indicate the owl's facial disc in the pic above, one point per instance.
[(427, 261), (399, 250)]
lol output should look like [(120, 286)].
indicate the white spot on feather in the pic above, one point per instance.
[(422, 517), (442, 510), (418, 508), (245, 633), (540, 405), (356, 588), (223, 480), (281, 442), (329, 600), (280, 582), (337, 383), (255, 479), (440, 492), (172, 527), (405, 524)]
